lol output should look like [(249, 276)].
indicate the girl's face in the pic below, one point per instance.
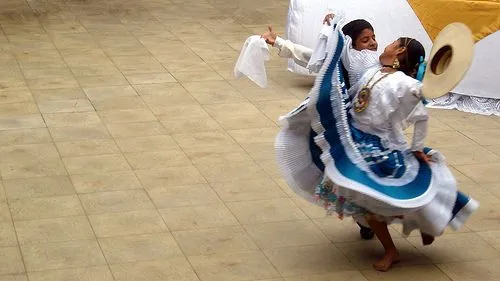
[(366, 41)]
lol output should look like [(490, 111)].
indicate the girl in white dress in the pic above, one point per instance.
[(357, 149)]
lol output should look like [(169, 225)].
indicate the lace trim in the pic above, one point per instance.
[(471, 104)]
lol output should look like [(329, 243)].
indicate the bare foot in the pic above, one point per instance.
[(427, 239), (391, 257)]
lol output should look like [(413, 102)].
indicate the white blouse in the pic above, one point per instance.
[(394, 105)]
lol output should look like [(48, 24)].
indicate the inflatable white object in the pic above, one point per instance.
[(482, 81)]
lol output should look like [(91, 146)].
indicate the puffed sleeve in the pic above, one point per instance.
[(300, 54)]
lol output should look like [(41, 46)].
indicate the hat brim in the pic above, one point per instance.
[(449, 60)]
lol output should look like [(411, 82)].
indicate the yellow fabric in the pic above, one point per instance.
[(481, 16)]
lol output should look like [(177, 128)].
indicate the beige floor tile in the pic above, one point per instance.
[(50, 78), (101, 273), (208, 155), (274, 109), (446, 248), (95, 164), (235, 171), (203, 139), (54, 230), (491, 237), (214, 92), (286, 234), (157, 159), (484, 137), (471, 154), (198, 217), (459, 176), (466, 121), (481, 173), (15, 109), (486, 217), (127, 223), (118, 103), (191, 125), (48, 99), (15, 277), (159, 270), (189, 110), (15, 95), (255, 135), (137, 64), (74, 133), (21, 122), (410, 273), (180, 196), (17, 153), (262, 211), (142, 129), (109, 92), (102, 182), (116, 201), (270, 167), (174, 92), (11, 261), (485, 270), (450, 139), (494, 148), (45, 207), (144, 247), (233, 266), (214, 240), (169, 104), (173, 176), (4, 212), (7, 235), (247, 190), (24, 136), (102, 80), (38, 187), (341, 275), (127, 116), (144, 144), (248, 116), (64, 106), (92, 70), (364, 253), (150, 78), (71, 119), (308, 260), (82, 253), (87, 147), (260, 151), (185, 76)]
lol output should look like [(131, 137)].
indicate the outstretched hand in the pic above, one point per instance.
[(269, 36)]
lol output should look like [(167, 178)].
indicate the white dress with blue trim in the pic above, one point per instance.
[(366, 156)]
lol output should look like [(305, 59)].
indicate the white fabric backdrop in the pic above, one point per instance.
[(392, 19)]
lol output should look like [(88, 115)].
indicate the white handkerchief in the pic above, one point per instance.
[(251, 61)]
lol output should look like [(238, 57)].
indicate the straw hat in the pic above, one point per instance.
[(449, 60)]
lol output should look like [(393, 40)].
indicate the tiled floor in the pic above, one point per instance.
[(129, 152)]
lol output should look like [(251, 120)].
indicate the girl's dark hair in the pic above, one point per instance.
[(354, 29), (410, 59)]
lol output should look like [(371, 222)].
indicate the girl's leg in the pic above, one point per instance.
[(391, 255)]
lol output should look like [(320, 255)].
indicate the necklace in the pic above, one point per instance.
[(363, 97)]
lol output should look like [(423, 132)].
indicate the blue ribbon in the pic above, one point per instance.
[(422, 66)]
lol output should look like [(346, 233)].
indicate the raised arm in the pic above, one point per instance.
[(300, 54)]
